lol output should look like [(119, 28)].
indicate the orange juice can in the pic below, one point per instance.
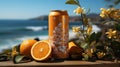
[(59, 33)]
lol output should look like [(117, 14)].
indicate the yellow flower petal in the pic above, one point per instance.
[(114, 32), (78, 10), (14, 51), (73, 29), (100, 55), (102, 15), (76, 29), (111, 33), (102, 9), (89, 30)]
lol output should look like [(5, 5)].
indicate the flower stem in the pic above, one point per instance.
[(83, 26)]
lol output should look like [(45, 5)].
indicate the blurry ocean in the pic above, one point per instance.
[(13, 32)]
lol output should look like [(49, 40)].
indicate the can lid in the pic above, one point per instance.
[(64, 11), (55, 10), (58, 10)]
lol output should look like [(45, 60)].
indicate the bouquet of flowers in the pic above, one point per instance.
[(101, 45)]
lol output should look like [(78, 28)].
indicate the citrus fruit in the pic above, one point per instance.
[(74, 49), (41, 50), (26, 45)]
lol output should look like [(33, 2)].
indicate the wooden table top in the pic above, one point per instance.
[(61, 64)]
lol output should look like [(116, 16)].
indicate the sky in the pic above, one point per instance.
[(26, 9)]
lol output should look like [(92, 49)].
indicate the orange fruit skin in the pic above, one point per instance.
[(41, 51), (74, 49), (26, 46)]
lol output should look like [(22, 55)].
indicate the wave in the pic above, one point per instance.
[(9, 43), (36, 28), (8, 30), (96, 28)]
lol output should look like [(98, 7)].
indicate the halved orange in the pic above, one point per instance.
[(41, 50), (74, 49)]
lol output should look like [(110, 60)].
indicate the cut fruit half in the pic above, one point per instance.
[(74, 49), (41, 50)]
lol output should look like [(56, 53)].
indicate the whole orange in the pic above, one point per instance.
[(26, 46)]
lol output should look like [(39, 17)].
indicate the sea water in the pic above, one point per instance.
[(13, 32)]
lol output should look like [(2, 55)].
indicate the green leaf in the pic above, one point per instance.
[(17, 58), (98, 35), (84, 45), (118, 27), (92, 37), (72, 2), (3, 57), (21, 59), (86, 57), (117, 2)]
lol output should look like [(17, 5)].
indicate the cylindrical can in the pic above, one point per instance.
[(59, 33)]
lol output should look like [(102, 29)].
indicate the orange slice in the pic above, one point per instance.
[(74, 49), (41, 50)]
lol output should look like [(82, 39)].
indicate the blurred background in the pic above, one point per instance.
[(28, 19)]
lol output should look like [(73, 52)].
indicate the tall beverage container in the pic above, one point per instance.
[(59, 33)]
